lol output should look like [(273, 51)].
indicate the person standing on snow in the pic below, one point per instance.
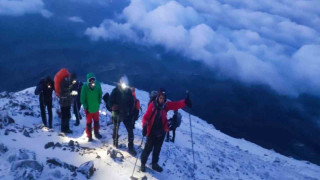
[(65, 103), (44, 89), (76, 93), (91, 95), (121, 101), (155, 126), (174, 123)]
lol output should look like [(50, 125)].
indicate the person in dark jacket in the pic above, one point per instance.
[(76, 93), (121, 101), (44, 89), (65, 104), (155, 126), (174, 123)]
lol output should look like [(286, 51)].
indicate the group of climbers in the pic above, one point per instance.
[(122, 103)]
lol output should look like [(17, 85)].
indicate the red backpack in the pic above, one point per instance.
[(63, 73)]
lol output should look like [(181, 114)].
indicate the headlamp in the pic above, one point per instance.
[(74, 93), (123, 85), (74, 81)]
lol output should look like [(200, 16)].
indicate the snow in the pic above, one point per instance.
[(217, 155)]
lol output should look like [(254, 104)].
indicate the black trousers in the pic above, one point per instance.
[(128, 123), (65, 118), (43, 113), (76, 111), (154, 144), (173, 134)]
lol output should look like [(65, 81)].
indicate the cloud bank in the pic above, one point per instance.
[(274, 43), (21, 7)]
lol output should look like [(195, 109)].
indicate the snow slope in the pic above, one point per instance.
[(218, 156)]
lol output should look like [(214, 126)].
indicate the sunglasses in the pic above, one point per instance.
[(92, 80)]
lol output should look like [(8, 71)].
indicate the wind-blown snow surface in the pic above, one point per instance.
[(218, 156)]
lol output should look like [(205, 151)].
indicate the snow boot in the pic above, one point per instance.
[(68, 131), (143, 168), (89, 139), (156, 167), (132, 152), (97, 135)]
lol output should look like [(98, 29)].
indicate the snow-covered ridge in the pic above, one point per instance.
[(218, 156)]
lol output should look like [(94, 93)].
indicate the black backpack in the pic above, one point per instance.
[(106, 99), (175, 121)]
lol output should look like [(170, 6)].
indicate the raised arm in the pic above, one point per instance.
[(175, 105)]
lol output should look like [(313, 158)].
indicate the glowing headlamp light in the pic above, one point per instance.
[(49, 86), (123, 85), (74, 81), (74, 93)]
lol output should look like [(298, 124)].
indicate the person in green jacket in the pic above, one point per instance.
[(91, 95)]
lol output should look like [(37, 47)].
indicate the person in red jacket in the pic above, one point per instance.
[(155, 126)]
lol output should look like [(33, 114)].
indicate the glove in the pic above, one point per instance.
[(86, 111), (144, 130), (115, 107), (188, 101)]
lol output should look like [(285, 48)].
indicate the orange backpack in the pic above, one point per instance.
[(63, 73)]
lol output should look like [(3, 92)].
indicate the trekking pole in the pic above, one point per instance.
[(135, 164), (117, 129), (191, 134)]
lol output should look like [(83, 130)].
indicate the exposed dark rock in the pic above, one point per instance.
[(22, 154), (57, 162), (26, 169), (58, 145), (23, 107), (49, 145), (3, 149), (115, 155), (87, 169), (26, 134), (71, 143)]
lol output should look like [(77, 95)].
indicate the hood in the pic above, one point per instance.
[(90, 75)]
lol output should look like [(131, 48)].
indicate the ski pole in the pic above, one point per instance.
[(135, 164)]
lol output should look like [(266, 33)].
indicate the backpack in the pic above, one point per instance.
[(152, 96), (106, 99), (63, 73), (175, 121)]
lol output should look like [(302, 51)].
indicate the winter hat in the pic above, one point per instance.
[(73, 76)]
